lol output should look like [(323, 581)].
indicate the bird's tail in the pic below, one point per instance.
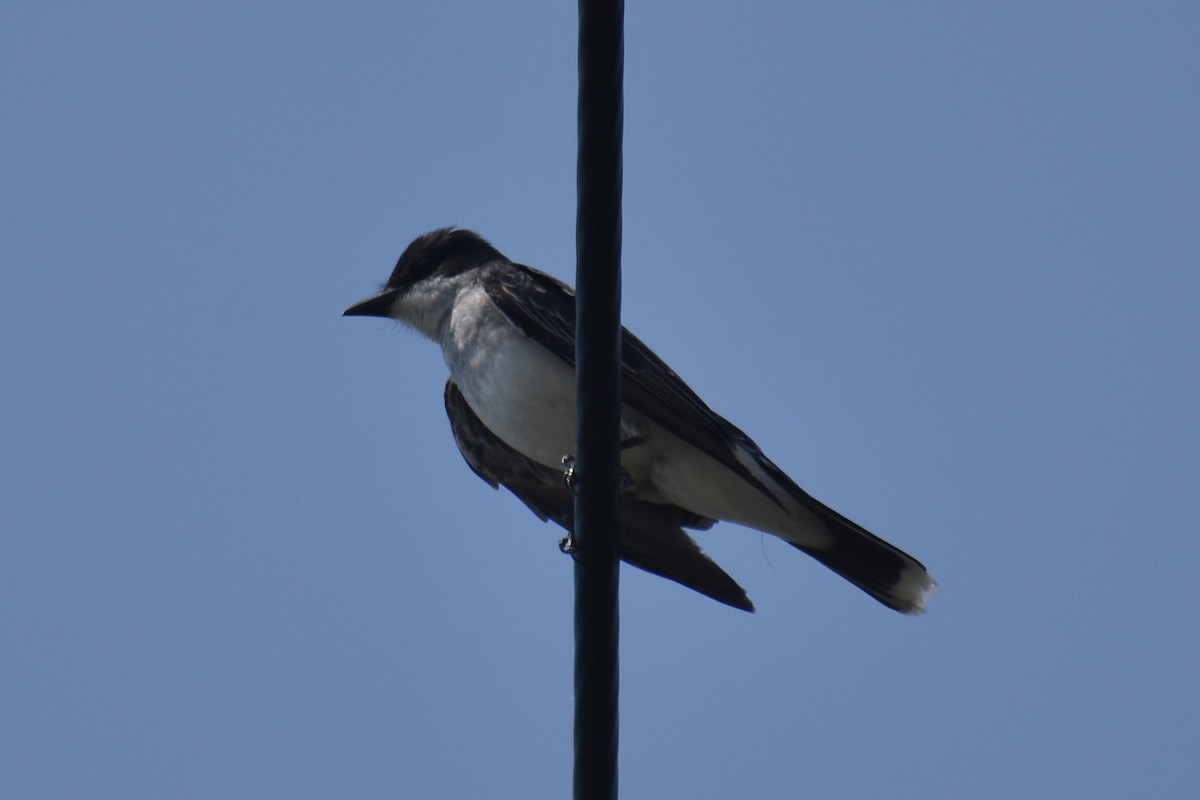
[(880, 569)]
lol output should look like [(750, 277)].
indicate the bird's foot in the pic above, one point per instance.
[(571, 477)]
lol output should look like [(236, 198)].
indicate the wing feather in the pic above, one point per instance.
[(651, 536), (544, 309)]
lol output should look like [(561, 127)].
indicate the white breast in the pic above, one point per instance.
[(521, 391)]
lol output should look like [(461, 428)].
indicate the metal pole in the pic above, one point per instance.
[(598, 395)]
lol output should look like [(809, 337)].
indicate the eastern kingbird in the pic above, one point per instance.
[(507, 332)]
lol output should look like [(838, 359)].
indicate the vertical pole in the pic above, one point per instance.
[(598, 395)]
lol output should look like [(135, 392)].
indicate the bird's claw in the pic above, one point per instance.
[(571, 477)]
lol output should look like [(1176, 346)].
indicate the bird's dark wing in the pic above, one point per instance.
[(544, 309), (651, 535)]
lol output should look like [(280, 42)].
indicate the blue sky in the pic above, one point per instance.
[(941, 261)]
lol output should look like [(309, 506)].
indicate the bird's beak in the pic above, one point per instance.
[(378, 306)]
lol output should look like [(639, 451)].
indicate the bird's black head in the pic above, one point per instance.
[(448, 251)]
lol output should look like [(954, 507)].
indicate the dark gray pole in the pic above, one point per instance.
[(598, 395)]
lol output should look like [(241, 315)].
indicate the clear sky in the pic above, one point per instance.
[(941, 261)]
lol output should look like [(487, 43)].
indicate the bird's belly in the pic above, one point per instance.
[(524, 394)]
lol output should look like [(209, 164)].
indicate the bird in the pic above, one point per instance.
[(507, 335)]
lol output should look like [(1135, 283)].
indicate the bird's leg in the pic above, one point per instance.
[(567, 544), (571, 478)]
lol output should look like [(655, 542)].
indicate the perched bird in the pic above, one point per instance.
[(507, 333)]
